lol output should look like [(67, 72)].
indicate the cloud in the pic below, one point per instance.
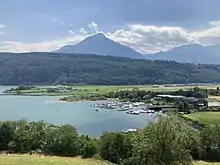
[(151, 39), (2, 26), (93, 26), (209, 35), (45, 14), (60, 22), (143, 38), (71, 32), (54, 19), (212, 31), (16, 47), (82, 30)]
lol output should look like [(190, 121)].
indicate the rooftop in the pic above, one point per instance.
[(171, 96)]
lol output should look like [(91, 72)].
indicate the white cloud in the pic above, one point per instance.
[(45, 14), (212, 31), (143, 38), (94, 27), (60, 22), (11, 46), (83, 31), (71, 32), (151, 39), (209, 35), (2, 25), (54, 19), (215, 23)]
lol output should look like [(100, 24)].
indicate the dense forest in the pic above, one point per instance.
[(167, 141), (57, 68)]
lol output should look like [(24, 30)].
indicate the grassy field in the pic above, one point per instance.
[(205, 163), (105, 89), (205, 117), (37, 160)]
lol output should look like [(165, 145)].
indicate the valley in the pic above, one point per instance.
[(110, 82)]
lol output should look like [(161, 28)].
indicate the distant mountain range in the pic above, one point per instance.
[(99, 44), (193, 53)]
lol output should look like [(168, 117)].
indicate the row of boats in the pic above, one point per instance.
[(138, 112), (130, 108)]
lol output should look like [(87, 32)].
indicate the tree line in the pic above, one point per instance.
[(193, 98), (167, 141), (71, 69)]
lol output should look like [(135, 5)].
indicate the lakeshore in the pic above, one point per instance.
[(80, 114), (133, 101)]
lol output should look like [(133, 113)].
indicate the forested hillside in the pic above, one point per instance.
[(56, 68)]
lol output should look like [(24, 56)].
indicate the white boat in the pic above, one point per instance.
[(134, 112), (129, 130), (150, 111)]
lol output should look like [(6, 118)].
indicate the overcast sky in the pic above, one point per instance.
[(146, 25)]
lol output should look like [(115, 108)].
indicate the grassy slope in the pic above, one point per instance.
[(206, 117), (37, 160)]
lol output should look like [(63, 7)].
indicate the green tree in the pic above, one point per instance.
[(165, 142), (181, 106), (90, 148), (210, 139), (115, 147), (62, 141), (7, 134)]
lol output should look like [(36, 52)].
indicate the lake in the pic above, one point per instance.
[(79, 114)]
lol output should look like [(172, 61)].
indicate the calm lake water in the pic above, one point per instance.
[(79, 114)]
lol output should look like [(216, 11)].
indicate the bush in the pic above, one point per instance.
[(89, 149), (166, 142), (115, 147)]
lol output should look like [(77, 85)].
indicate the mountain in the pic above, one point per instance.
[(192, 53), (99, 44)]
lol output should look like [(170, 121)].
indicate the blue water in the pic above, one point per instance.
[(79, 114)]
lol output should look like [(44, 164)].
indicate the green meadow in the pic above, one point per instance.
[(205, 117)]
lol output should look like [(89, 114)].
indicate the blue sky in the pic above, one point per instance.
[(145, 25)]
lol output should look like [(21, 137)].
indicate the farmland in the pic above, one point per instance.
[(80, 90), (205, 117), (41, 160)]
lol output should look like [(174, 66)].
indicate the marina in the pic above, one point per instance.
[(83, 115), (136, 108)]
